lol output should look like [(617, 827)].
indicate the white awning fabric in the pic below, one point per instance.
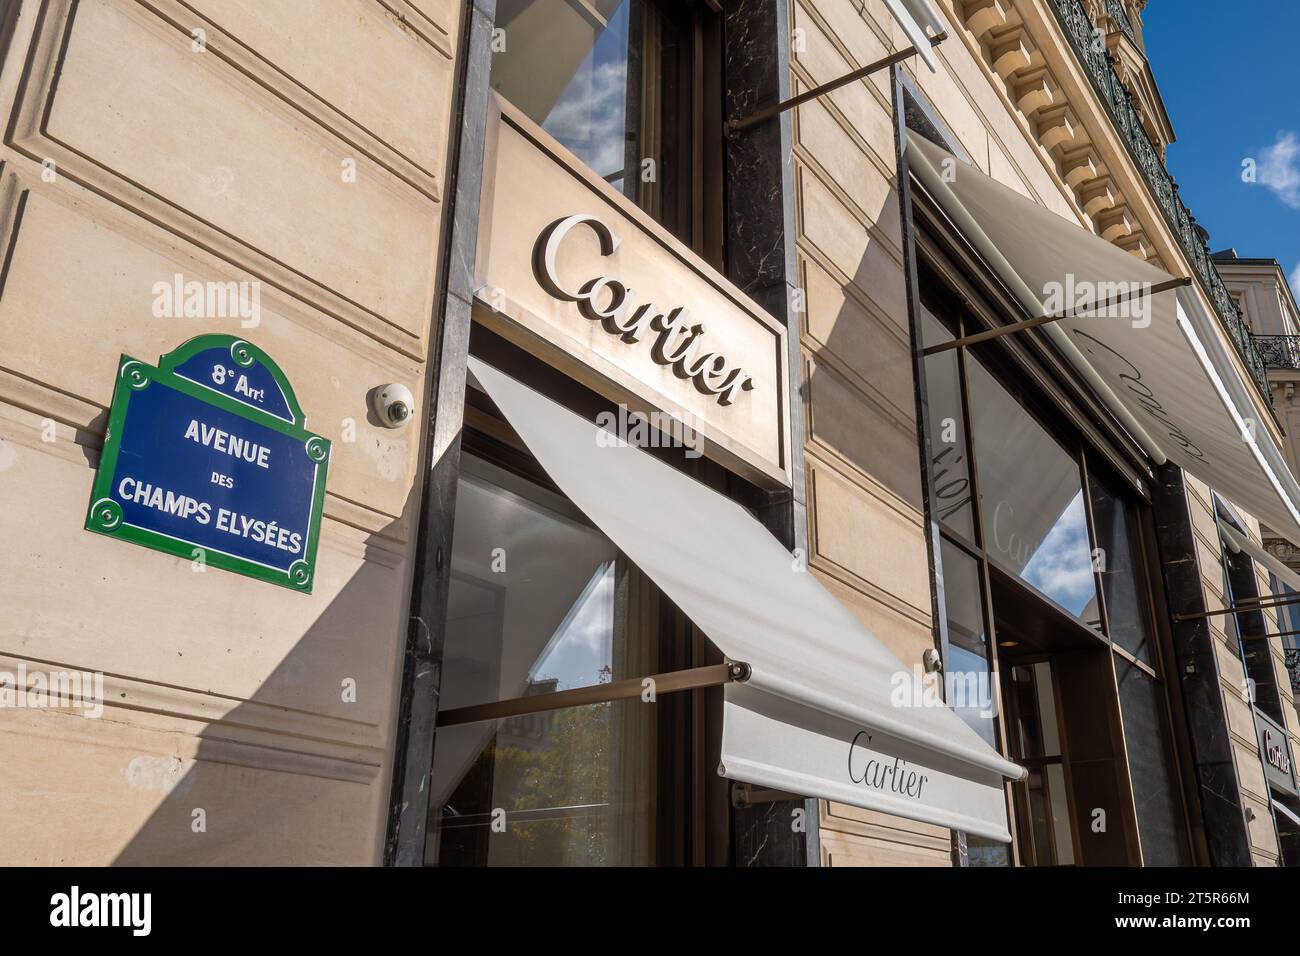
[(827, 711), (914, 16), (1164, 373), (1238, 542)]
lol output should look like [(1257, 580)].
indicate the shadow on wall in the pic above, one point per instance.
[(309, 784), (859, 382), (287, 785)]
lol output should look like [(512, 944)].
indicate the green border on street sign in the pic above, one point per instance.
[(105, 514)]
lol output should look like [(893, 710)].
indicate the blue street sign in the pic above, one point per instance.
[(206, 457)]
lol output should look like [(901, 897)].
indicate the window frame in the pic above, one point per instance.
[(697, 145), (938, 283)]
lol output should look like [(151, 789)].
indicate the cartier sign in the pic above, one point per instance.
[(571, 270), (678, 341), (1275, 751)]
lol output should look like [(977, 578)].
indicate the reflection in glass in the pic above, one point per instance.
[(531, 599), (967, 667), (572, 788), (1035, 710), (950, 486), (1031, 499), (568, 71), (1118, 565), (1288, 620), (1161, 825), (972, 694), (539, 602), (1059, 811), (1230, 624), (1040, 833), (609, 79), (1037, 743)]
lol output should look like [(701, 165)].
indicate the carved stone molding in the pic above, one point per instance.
[(1033, 89)]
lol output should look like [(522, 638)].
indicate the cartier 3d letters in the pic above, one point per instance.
[(676, 341)]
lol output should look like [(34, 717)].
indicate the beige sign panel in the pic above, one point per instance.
[(575, 273)]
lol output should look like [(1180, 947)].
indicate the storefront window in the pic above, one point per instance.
[(531, 601), (1288, 622), (539, 602), (614, 81), (559, 788), (1161, 826), (968, 651), (1117, 562), (974, 696), (1031, 499), (1231, 625), (1252, 633), (1045, 511), (1050, 840), (950, 485)]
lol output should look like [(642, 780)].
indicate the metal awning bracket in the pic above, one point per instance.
[(733, 128), (747, 795), (1241, 607), (1025, 324), (712, 675)]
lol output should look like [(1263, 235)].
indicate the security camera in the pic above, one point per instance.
[(394, 404)]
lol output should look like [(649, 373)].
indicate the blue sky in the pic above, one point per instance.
[(1229, 83)]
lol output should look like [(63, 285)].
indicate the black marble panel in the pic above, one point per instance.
[(1226, 835)]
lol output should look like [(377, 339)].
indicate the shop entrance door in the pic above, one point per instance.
[(1062, 723), (1044, 818)]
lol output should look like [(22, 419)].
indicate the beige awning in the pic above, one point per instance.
[(827, 711), (1165, 373)]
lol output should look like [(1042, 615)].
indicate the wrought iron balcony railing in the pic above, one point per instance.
[(1115, 10), (1097, 63), (1292, 657), (1279, 351)]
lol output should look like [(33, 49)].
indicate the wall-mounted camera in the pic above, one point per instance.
[(393, 404)]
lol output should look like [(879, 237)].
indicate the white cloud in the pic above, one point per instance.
[(590, 117), (1279, 168), (1061, 566), (1294, 279)]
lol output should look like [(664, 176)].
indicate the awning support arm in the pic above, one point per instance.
[(1266, 637), (632, 688), (1245, 604), (732, 127), (1044, 319)]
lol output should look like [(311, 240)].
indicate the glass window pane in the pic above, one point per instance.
[(950, 485), (1031, 499), (971, 693), (572, 787), (1230, 624), (967, 669), (1288, 619), (1121, 579), (569, 74), (611, 81), (1059, 807), (1288, 615), (1155, 784), (1036, 731), (1040, 828), (539, 601)]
